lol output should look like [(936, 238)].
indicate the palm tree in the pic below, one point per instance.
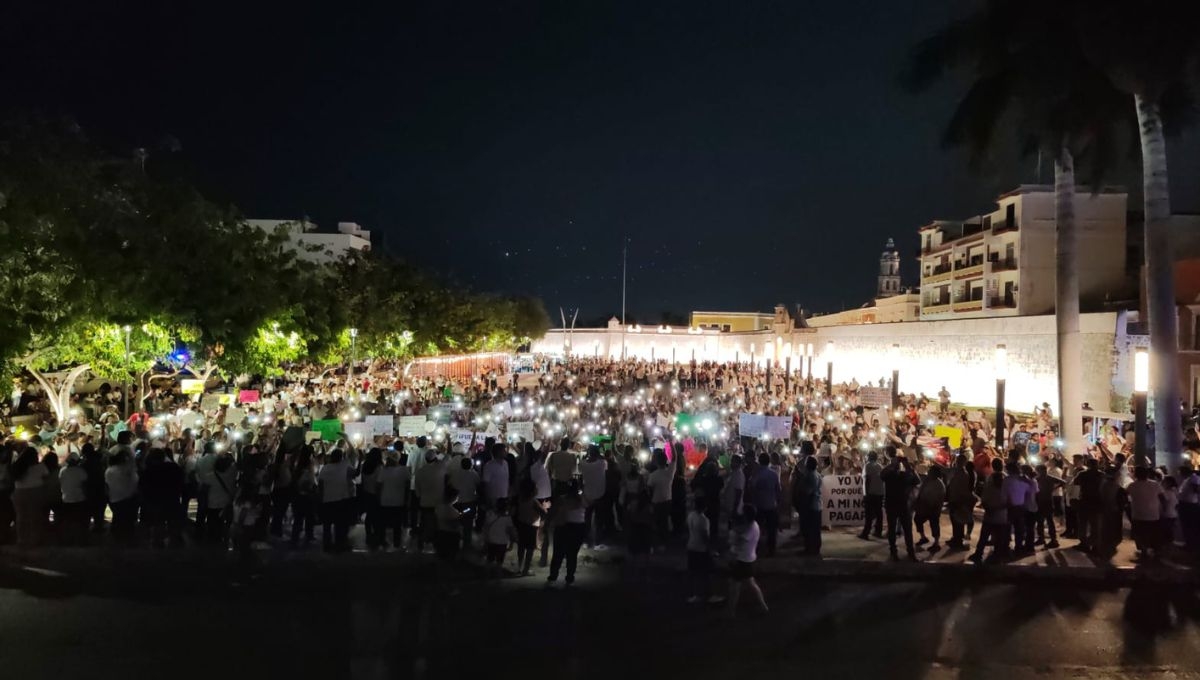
[(1029, 75), (1149, 50)]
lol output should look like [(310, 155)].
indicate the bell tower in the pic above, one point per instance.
[(889, 271)]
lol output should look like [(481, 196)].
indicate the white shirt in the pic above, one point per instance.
[(1144, 500), (33, 478), (541, 479), (465, 482), (593, 472), (394, 483), (71, 480), (697, 525), (660, 484), (745, 543), (736, 483), (335, 478), (430, 483), (122, 482), (495, 479), (498, 529)]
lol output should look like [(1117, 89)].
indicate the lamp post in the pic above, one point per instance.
[(353, 357), (1001, 374), (895, 356), (809, 352), (125, 390), (1141, 385), (829, 368)]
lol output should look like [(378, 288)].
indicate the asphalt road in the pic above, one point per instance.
[(353, 618)]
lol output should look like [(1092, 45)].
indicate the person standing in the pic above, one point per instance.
[(29, 496), (899, 481), (430, 486), (765, 492), (121, 478), (304, 496), (219, 489), (961, 500), (928, 508), (699, 558), (873, 494), (569, 534), (1071, 497), (530, 513), (162, 489), (1189, 508), (1145, 513), (335, 484), (1046, 486), (1015, 491), (466, 482), (995, 517), (743, 539), (1088, 523), (72, 483), (594, 472), (806, 491), (707, 484), (661, 482)]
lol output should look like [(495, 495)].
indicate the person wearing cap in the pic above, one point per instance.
[(430, 482)]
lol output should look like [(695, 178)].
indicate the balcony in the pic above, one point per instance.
[(967, 268), (969, 305), (1005, 226), (997, 265), (1002, 302), (941, 306), (939, 273)]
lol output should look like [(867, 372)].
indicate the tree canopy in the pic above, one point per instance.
[(91, 242)]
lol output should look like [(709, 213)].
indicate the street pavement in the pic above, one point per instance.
[(193, 613)]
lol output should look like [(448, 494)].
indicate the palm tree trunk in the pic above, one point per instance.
[(1066, 306), (1160, 288)]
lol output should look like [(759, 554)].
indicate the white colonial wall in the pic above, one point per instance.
[(956, 353)]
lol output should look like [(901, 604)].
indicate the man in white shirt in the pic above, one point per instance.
[(594, 469), (660, 482), (734, 490), (466, 482), (394, 487), (336, 491), (495, 476), (430, 483), (72, 482), (1145, 504), (562, 465)]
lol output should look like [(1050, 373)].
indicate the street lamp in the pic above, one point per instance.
[(895, 357), (125, 390), (1001, 374), (1141, 385), (829, 367), (353, 349)]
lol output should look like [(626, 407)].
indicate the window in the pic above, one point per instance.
[(1010, 216)]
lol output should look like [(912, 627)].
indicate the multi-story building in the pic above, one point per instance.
[(321, 247), (1002, 263), (732, 322)]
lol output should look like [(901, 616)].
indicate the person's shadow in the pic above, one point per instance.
[(1147, 616)]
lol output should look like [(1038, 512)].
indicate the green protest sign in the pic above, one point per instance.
[(330, 429)]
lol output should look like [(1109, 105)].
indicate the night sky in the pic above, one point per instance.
[(753, 152)]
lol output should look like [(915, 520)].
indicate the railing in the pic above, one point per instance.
[(1001, 227), (935, 308), (1007, 264), (1002, 302)]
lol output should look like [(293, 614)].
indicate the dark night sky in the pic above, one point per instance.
[(753, 152)]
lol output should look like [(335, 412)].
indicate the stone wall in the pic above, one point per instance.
[(959, 354)]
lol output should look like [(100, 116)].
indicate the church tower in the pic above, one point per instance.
[(889, 272)]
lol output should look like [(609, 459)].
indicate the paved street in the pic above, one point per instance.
[(133, 615)]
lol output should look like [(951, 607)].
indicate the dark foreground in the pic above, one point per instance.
[(188, 617)]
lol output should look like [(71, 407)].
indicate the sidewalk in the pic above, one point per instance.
[(845, 556)]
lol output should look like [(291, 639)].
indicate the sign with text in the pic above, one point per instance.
[(842, 500), (192, 386), (381, 424), (330, 428), (358, 434), (520, 429), (875, 397), (751, 424), (248, 396), (779, 427), (951, 434), (411, 426)]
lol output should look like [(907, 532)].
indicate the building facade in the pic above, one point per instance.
[(1002, 263), (897, 308), (732, 322), (889, 271), (321, 247)]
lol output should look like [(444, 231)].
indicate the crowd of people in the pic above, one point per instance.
[(575, 452)]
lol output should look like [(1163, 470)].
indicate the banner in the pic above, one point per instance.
[(779, 427), (412, 426), (520, 429), (842, 501), (358, 434), (751, 425), (875, 397), (463, 436), (234, 417), (192, 386), (248, 396), (381, 424), (330, 429), (951, 433), (211, 402)]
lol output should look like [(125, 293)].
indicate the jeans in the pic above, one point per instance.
[(568, 538), (1045, 524), (1016, 521), (1072, 520), (810, 529), (335, 521), (125, 519), (873, 507), (900, 519), (1088, 525), (997, 535), (395, 518), (303, 517), (935, 525)]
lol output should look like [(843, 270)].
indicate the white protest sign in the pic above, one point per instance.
[(875, 397), (520, 429), (502, 408), (381, 424), (357, 433), (842, 500), (779, 427), (662, 421), (234, 417), (412, 426), (462, 436), (751, 424)]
